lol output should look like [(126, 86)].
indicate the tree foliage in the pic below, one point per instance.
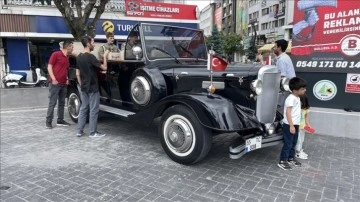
[(231, 44), (215, 41), (78, 20)]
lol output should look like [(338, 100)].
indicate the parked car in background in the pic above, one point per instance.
[(165, 75)]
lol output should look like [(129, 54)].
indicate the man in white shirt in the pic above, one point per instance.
[(283, 61), (285, 67)]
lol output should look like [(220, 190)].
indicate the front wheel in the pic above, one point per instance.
[(74, 103), (7, 85), (182, 136)]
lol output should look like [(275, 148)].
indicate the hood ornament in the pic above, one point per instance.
[(241, 80)]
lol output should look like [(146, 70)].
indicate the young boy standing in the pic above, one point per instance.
[(291, 122)]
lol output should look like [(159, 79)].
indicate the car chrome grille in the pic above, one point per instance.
[(266, 103)]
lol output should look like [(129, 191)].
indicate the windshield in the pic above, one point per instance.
[(162, 42)]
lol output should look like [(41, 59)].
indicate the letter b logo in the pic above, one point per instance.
[(352, 44)]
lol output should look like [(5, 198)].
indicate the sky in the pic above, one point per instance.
[(200, 3)]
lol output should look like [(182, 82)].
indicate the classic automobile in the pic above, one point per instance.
[(164, 74)]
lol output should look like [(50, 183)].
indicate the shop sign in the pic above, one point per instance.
[(326, 36), (352, 83), (141, 8), (325, 90), (50, 24)]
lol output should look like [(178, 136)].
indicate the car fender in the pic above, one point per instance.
[(213, 111), (156, 80)]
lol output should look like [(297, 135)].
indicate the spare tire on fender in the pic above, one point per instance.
[(147, 86)]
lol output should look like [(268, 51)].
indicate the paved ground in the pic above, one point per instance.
[(129, 164)]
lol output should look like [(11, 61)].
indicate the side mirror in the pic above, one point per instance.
[(136, 50)]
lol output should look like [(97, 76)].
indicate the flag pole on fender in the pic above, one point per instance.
[(210, 67)]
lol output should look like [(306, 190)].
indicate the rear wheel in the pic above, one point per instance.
[(182, 136), (43, 84), (74, 103)]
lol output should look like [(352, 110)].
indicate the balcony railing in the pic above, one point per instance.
[(113, 5)]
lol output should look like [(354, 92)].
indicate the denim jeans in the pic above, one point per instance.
[(88, 101), (288, 150), (57, 93)]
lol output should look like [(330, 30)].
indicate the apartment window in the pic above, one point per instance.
[(263, 26), (281, 22), (276, 23), (253, 2), (265, 11)]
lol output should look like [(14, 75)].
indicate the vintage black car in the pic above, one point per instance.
[(164, 74)]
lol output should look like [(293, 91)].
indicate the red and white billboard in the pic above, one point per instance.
[(218, 17), (326, 36), (143, 8)]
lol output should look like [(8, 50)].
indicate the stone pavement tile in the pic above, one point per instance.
[(249, 199), (151, 196), (136, 196), (223, 179), (36, 198), (235, 186), (278, 182), (249, 185), (55, 197), (217, 197), (234, 195), (263, 175), (265, 192), (162, 199), (77, 196), (294, 188), (160, 186), (15, 199), (170, 194), (283, 198), (92, 193), (344, 191), (314, 195), (329, 193), (219, 188), (264, 184), (196, 197), (178, 198), (268, 198), (249, 193), (126, 189), (298, 197)]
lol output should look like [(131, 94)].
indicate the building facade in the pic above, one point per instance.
[(207, 19), (31, 30)]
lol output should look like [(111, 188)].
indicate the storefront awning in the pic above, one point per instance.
[(268, 47)]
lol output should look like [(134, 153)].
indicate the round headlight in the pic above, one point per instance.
[(284, 84), (256, 86)]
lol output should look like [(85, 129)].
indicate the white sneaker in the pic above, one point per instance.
[(301, 156), (303, 153)]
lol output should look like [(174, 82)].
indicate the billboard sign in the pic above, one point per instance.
[(145, 9), (218, 17), (326, 36)]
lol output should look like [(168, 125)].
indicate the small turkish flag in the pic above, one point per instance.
[(217, 63)]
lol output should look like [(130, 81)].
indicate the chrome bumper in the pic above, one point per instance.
[(238, 149)]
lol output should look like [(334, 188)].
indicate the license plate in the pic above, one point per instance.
[(253, 143)]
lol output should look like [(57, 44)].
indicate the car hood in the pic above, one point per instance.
[(201, 69)]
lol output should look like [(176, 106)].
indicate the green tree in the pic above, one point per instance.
[(232, 44), (215, 41), (79, 24)]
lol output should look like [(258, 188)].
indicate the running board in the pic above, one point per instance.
[(116, 111), (237, 150)]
